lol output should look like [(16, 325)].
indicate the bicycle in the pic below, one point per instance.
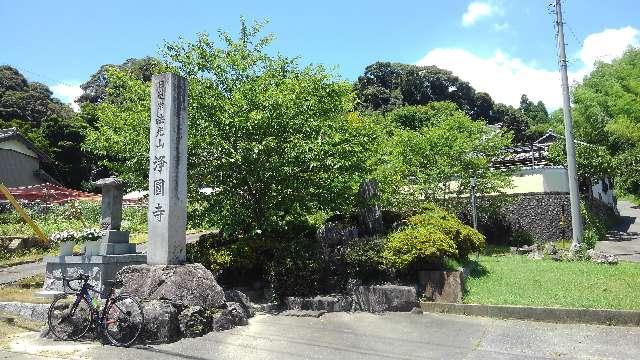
[(121, 319)]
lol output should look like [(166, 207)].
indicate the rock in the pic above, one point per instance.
[(36, 312), (269, 308), (242, 299), (602, 258), (550, 249), (442, 286), (185, 285), (17, 244), (535, 255), (335, 233), (228, 318), (370, 213), (303, 313), (161, 323), (326, 303), (194, 321), (416, 311), (381, 298)]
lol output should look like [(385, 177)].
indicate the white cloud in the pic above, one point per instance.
[(477, 10), (68, 94), (608, 45), (506, 77)]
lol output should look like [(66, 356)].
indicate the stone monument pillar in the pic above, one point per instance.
[(167, 213), (114, 241)]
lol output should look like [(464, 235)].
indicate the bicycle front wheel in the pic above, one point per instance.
[(123, 320), (69, 318)]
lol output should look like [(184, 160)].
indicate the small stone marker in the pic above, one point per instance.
[(114, 241), (111, 205), (167, 213)]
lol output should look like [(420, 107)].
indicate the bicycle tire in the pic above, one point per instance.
[(79, 329), (119, 319)]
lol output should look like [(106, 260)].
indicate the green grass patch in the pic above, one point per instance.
[(24, 290), (518, 280), (632, 198)]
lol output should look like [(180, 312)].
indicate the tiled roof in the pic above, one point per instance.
[(13, 133)]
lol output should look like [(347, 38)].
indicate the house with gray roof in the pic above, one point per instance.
[(21, 161)]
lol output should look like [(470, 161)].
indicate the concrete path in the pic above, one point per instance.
[(15, 273), (367, 336), (624, 241)]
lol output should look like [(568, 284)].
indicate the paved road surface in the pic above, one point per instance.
[(624, 241), (366, 336), (15, 273)]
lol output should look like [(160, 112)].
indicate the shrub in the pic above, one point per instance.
[(467, 240), (296, 269), (364, 260), (595, 226), (417, 246)]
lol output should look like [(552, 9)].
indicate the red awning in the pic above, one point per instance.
[(49, 193)]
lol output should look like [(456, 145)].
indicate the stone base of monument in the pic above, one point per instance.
[(182, 301), (100, 267)]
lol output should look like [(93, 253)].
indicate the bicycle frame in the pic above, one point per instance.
[(84, 293)]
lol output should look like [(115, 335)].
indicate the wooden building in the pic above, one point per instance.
[(21, 161)]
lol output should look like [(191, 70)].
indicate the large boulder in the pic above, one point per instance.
[(160, 322), (194, 321), (381, 298), (228, 318), (239, 297), (184, 285)]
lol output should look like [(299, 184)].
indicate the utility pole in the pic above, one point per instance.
[(574, 191)]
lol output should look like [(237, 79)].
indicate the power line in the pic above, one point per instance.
[(52, 80)]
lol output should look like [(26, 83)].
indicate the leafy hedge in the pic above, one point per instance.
[(428, 239), (363, 259), (467, 240)]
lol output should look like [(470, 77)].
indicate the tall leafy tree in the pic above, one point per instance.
[(607, 114), (438, 158), (274, 140)]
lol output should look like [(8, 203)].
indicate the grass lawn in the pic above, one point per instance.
[(518, 280), (24, 291)]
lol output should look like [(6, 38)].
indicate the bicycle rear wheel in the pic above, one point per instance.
[(69, 318), (123, 320)]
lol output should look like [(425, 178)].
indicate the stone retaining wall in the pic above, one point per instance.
[(547, 217)]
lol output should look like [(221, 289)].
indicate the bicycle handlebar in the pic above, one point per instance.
[(80, 277)]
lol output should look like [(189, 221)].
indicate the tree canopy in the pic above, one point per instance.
[(385, 86), (273, 140), (607, 115)]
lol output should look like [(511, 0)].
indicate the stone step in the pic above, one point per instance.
[(320, 303), (303, 313), (376, 298)]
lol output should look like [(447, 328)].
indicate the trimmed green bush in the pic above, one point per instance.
[(416, 247), (467, 240)]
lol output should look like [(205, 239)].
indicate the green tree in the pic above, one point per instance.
[(95, 89), (607, 114), (439, 159), (274, 140)]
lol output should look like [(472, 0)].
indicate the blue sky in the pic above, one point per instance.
[(504, 47)]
